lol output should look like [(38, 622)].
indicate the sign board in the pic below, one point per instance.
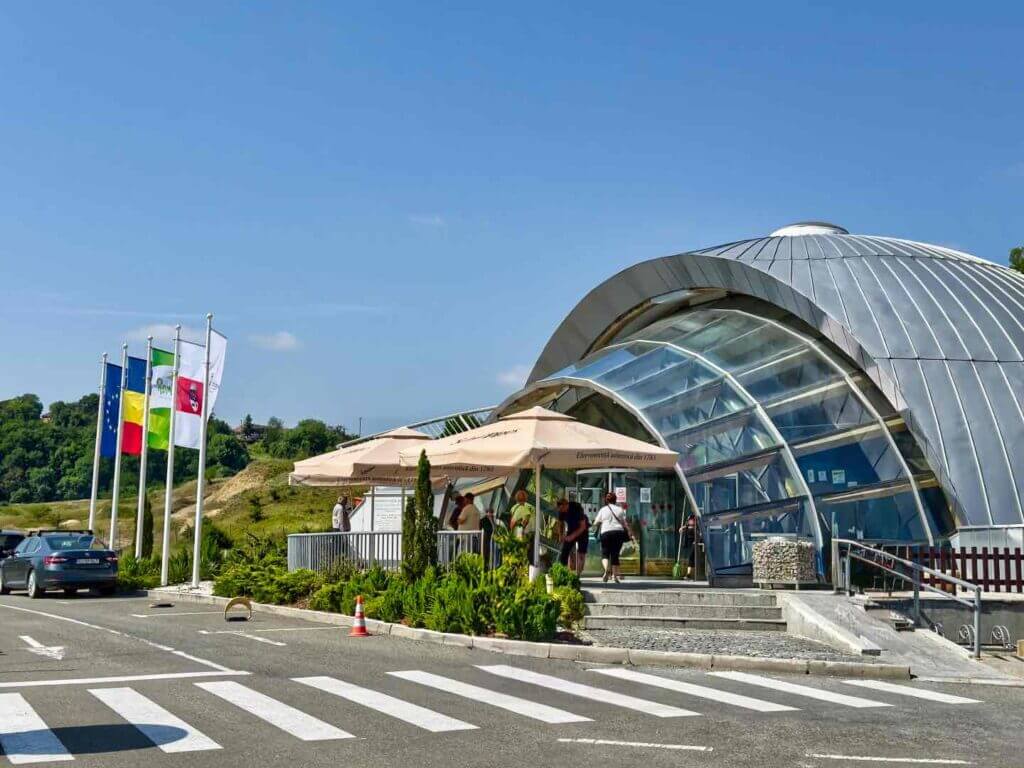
[(645, 495), (620, 494)]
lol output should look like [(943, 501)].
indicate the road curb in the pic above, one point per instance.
[(594, 654)]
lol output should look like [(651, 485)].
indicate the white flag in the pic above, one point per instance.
[(191, 361)]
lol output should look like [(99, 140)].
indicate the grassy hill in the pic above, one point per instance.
[(258, 499)]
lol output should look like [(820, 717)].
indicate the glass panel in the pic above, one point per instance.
[(789, 373), (598, 411), (653, 360), (752, 348), (723, 327), (602, 362), (911, 451), (723, 439), (694, 407), (886, 519), (679, 327), (730, 538), (936, 507), (668, 382), (818, 411), (857, 458), (758, 480)]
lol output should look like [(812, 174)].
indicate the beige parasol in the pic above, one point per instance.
[(537, 438), (373, 463)]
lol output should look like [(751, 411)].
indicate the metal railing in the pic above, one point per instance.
[(319, 551), (908, 571)]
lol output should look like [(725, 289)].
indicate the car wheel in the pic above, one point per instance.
[(70, 591), (32, 586), (4, 589)]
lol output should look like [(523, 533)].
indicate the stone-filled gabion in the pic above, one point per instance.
[(783, 560)]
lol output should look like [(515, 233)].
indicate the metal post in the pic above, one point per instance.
[(835, 566), (977, 622), (165, 544), (201, 480), (115, 495), (846, 574), (99, 441), (536, 520), (143, 450), (917, 597)]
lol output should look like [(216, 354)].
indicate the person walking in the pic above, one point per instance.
[(341, 520), (453, 516), (574, 540), (469, 515), (613, 531), (522, 521)]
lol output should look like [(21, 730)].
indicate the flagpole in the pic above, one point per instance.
[(99, 442), (165, 544), (142, 453), (117, 451), (201, 480)]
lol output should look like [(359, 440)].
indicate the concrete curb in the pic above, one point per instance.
[(594, 654)]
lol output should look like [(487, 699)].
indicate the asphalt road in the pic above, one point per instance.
[(112, 682)]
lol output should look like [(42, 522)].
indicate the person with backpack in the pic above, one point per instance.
[(612, 531)]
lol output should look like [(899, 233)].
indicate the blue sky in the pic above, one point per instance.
[(390, 207)]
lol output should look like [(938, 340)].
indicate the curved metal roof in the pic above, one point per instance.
[(939, 331)]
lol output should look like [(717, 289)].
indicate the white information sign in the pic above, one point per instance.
[(645, 495)]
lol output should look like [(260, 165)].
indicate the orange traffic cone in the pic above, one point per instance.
[(359, 625)]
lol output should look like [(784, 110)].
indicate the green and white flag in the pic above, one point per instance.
[(160, 399)]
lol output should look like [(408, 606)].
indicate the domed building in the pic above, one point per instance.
[(814, 382)]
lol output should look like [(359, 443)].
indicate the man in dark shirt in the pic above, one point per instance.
[(576, 526)]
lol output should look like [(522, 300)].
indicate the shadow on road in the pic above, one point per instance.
[(93, 739)]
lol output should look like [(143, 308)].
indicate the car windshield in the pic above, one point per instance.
[(70, 542)]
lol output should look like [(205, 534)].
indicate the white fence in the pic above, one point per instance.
[(319, 551)]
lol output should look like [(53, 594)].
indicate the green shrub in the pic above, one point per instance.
[(563, 577), (469, 568), (571, 606), (419, 598), (328, 597), (532, 614), (453, 607), (179, 567), (388, 606), (134, 574)]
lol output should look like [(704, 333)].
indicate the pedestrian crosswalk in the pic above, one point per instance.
[(27, 738)]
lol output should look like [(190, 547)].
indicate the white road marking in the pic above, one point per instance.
[(154, 722), (24, 736), (917, 693), (118, 679), (388, 705), (914, 760), (639, 744), (55, 652), (172, 613), (280, 715), (118, 633), (800, 690), (587, 691), (239, 633), (519, 706), (700, 691), (299, 629)]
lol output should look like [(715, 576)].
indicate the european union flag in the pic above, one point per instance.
[(111, 406)]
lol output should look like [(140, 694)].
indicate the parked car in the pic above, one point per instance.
[(9, 540), (67, 560)]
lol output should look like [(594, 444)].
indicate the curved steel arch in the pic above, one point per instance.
[(948, 361)]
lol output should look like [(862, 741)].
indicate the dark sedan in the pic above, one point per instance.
[(67, 560), (9, 540)]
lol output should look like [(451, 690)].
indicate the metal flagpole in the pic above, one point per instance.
[(99, 442), (536, 521), (143, 449), (115, 496), (201, 480), (165, 544)]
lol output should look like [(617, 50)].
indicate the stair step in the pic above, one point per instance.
[(684, 622), (679, 597), (674, 610)]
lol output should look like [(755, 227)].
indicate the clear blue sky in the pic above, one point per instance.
[(390, 209)]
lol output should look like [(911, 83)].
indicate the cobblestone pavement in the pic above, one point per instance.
[(777, 645)]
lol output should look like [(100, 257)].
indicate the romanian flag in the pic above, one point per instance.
[(134, 406), (160, 398)]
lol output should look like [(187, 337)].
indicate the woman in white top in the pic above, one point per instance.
[(613, 532)]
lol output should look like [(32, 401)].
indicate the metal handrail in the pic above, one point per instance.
[(841, 579)]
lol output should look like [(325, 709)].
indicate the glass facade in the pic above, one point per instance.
[(776, 432)]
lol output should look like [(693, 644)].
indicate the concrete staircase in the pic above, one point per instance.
[(682, 609)]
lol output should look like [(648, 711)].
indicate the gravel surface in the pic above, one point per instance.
[(778, 645)]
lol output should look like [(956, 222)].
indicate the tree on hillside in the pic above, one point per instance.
[(147, 527), (1017, 258)]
